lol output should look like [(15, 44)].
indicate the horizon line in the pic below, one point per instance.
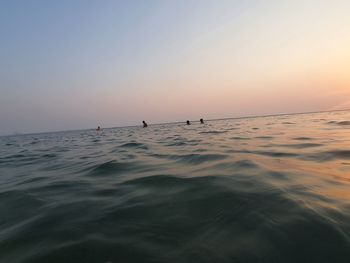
[(175, 122)]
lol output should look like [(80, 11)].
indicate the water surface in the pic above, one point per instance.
[(268, 189)]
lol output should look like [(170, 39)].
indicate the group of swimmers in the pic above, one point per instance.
[(189, 123), (145, 125)]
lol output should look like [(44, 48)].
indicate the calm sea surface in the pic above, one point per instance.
[(268, 189)]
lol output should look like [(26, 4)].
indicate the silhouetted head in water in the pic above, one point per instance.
[(98, 128), (144, 124), (201, 120), (188, 123)]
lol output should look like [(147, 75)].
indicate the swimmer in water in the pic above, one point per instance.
[(188, 123), (98, 128), (201, 120), (144, 124)]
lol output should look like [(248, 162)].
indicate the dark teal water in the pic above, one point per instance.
[(272, 189)]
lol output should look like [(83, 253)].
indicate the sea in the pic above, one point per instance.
[(262, 189)]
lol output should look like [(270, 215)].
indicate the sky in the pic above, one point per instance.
[(74, 64)]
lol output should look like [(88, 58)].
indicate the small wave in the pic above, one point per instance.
[(177, 144), (134, 145), (277, 175), (112, 167), (330, 155), (276, 154), (198, 158), (32, 180), (341, 123), (49, 155), (213, 132), (70, 185), (20, 159), (301, 145), (183, 143), (239, 138), (194, 141), (302, 138), (288, 123), (264, 137), (241, 164), (245, 164), (156, 180), (266, 153), (344, 123), (159, 155), (200, 150), (14, 156)]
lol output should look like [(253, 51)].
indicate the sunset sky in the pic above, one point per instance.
[(78, 64)]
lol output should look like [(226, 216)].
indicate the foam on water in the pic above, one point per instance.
[(269, 189)]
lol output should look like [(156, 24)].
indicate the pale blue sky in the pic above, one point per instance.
[(79, 64)]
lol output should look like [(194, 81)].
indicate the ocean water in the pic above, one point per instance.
[(267, 189)]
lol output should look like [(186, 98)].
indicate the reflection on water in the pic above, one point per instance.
[(269, 189)]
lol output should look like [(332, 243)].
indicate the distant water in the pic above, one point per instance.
[(268, 189)]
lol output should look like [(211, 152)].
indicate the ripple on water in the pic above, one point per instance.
[(239, 138), (341, 123), (264, 137), (49, 155), (302, 138), (213, 132), (198, 158), (300, 145), (22, 159), (277, 175), (266, 153), (288, 123), (344, 123), (180, 143), (134, 145), (233, 166), (330, 155), (276, 154), (111, 167)]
